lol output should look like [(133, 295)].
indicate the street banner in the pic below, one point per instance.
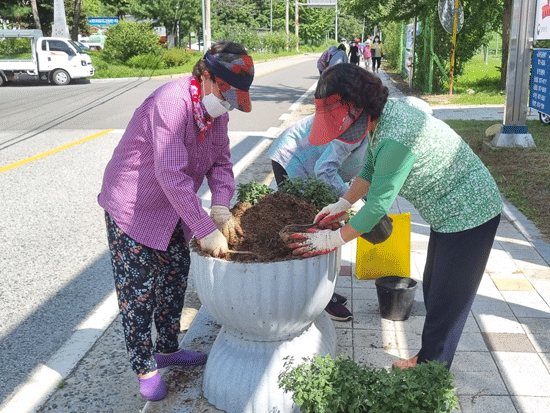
[(102, 21), (542, 20), (539, 88)]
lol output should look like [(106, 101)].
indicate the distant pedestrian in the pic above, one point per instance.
[(339, 57), (354, 54), (377, 52), (324, 60), (367, 54)]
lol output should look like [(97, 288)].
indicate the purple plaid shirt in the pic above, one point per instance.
[(159, 165)]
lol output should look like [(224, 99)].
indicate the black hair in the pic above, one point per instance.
[(222, 46), (355, 85), (342, 47)]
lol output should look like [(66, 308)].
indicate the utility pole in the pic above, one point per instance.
[(296, 31), (336, 22), (514, 130), (286, 24), (207, 31), (453, 53), (286, 19)]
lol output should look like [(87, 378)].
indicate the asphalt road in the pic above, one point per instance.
[(54, 145)]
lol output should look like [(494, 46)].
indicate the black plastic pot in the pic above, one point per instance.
[(381, 231), (395, 297)]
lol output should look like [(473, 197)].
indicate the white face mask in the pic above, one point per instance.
[(215, 106)]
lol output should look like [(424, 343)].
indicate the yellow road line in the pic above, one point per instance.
[(42, 155)]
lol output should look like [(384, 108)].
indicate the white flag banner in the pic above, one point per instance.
[(542, 21)]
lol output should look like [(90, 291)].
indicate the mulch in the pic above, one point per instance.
[(262, 223)]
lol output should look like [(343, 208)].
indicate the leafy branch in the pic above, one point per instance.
[(323, 384)]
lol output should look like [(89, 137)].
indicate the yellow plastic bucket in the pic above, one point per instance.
[(391, 257)]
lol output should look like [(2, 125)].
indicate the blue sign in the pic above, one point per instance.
[(102, 21), (539, 96)]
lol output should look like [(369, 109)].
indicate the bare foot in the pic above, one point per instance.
[(405, 364)]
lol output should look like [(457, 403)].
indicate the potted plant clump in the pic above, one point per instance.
[(269, 302), (339, 385)]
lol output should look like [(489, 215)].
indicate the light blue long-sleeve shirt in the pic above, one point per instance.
[(335, 163)]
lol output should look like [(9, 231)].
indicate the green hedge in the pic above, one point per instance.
[(127, 39)]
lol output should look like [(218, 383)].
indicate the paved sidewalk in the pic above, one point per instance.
[(503, 359)]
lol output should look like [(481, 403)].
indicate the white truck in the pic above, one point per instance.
[(27, 55)]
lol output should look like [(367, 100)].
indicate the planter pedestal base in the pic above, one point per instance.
[(241, 374), (267, 311)]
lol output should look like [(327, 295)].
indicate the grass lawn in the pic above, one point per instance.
[(479, 85), (483, 79), (522, 175)]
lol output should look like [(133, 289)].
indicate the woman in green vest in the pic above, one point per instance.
[(416, 156)]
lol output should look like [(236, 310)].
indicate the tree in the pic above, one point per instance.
[(76, 20), (170, 13), (480, 18), (35, 15), (18, 13), (119, 8)]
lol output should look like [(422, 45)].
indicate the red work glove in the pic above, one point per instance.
[(316, 242), (333, 212)]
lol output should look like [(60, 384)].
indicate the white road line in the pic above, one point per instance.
[(46, 377), (240, 166), (296, 104)]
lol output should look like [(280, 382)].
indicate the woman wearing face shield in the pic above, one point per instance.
[(175, 139), (422, 159)]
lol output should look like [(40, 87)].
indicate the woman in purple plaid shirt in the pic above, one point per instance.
[(176, 138)]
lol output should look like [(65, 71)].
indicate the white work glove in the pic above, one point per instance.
[(316, 242), (225, 222), (333, 212), (220, 215), (355, 208), (214, 243)]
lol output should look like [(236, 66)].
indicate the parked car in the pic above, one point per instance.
[(83, 46)]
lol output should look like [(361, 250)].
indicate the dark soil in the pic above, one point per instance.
[(261, 224)]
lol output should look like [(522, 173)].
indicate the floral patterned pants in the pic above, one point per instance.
[(150, 285)]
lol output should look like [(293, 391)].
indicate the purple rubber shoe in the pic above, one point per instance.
[(182, 358), (153, 388)]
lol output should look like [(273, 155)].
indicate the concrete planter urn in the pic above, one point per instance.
[(267, 311)]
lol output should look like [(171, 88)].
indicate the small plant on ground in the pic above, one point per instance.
[(178, 57), (252, 192), (318, 192), (323, 384), (146, 61)]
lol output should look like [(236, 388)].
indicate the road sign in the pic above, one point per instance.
[(102, 21), (446, 9), (539, 88)]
